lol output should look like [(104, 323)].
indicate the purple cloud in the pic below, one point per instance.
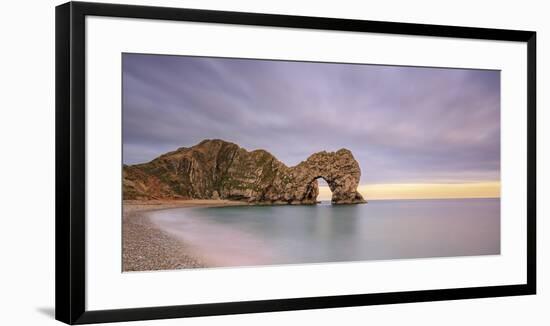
[(403, 124)]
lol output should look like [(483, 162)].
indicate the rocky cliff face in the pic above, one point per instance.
[(216, 169)]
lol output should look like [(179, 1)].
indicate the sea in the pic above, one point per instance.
[(324, 233)]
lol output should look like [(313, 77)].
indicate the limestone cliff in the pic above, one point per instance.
[(216, 169)]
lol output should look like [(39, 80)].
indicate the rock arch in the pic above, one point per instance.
[(339, 169), (216, 169), (298, 184)]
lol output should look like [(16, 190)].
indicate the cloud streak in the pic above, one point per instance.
[(403, 124)]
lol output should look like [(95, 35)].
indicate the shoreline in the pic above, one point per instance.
[(145, 247)]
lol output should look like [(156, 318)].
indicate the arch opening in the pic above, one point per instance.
[(319, 190)]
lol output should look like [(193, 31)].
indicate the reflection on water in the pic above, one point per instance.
[(390, 229)]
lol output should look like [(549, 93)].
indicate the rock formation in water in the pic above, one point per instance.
[(216, 169)]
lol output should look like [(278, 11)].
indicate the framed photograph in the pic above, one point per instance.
[(212, 163)]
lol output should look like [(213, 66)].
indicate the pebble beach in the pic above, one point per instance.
[(146, 248)]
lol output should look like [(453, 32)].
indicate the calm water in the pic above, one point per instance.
[(389, 229)]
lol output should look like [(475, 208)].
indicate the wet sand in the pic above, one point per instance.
[(145, 247)]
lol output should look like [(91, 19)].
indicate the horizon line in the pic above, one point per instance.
[(431, 190)]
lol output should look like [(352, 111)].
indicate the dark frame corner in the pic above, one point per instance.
[(70, 162)]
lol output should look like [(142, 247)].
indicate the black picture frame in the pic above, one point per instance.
[(70, 162)]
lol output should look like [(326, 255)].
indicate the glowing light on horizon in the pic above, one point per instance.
[(423, 191)]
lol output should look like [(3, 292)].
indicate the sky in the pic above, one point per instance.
[(404, 125)]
